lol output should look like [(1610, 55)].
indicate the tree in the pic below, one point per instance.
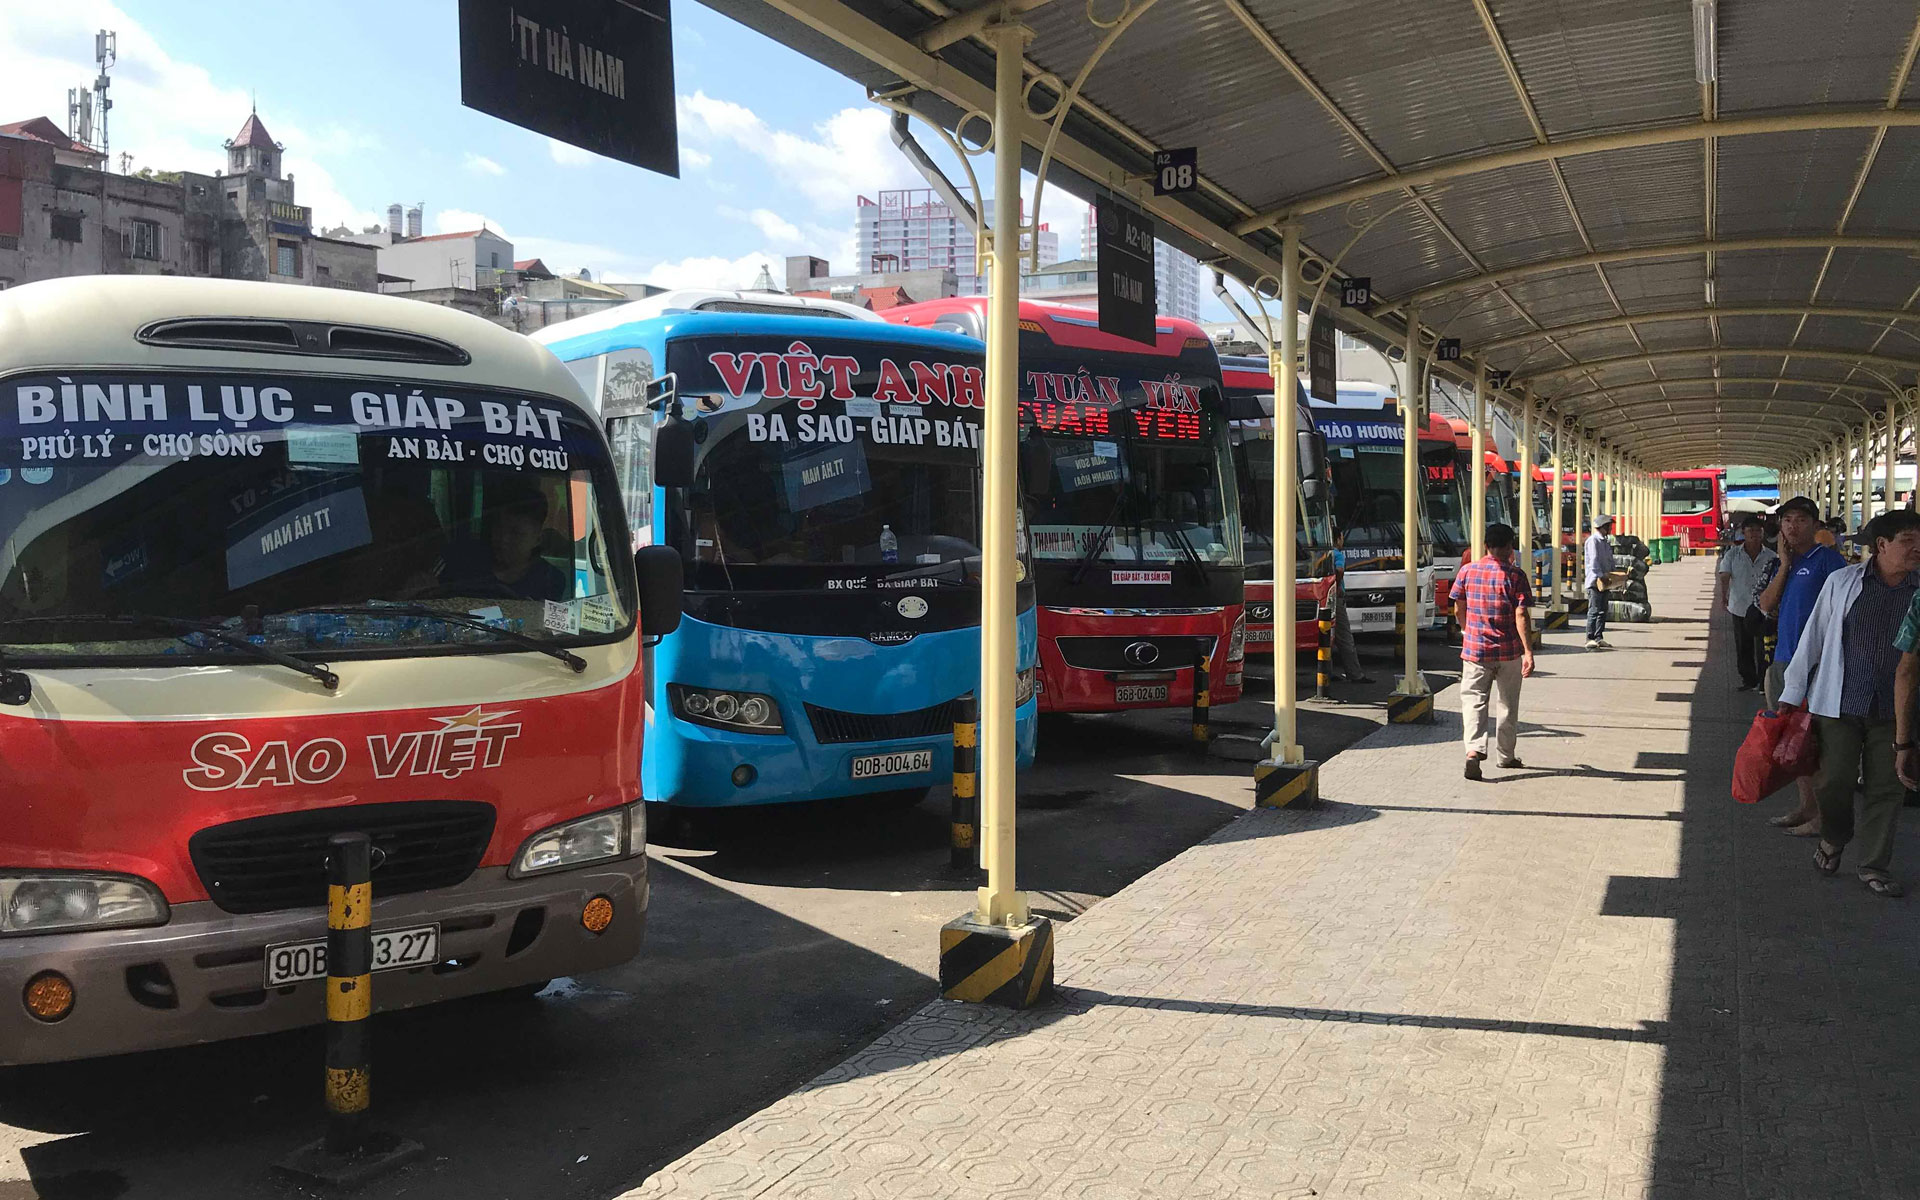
[(153, 176)]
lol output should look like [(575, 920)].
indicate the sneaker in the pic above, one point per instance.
[(1513, 764), (1603, 643), (1594, 643), (1473, 768)]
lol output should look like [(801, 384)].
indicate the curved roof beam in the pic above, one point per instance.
[(1601, 258), (1834, 387), (1699, 314), (1478, 164), (1804, 410), (1864, 362)]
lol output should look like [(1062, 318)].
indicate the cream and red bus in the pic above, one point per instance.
[(278, 563)]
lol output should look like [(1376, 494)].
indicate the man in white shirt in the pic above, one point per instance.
[(1744, 570)]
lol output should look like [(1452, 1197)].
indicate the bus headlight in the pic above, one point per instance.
[(602, 837), (748, 712), (1237, 642), (56, 903), (1023, 686)]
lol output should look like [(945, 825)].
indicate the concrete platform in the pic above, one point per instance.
[(1594, 977)]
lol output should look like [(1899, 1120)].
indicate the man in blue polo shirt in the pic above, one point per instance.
[(1804, 567)]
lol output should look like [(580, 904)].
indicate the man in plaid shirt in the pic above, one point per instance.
[(1490, 601)]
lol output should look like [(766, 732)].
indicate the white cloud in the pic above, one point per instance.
[(774, 227), (847, 154), (569, 155), (168, 114), (713, 271), (484, 165), (460, 220), (699, 160)]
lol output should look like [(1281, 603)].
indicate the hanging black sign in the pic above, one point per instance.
[(1123, 259), (1323, 358), (1447, 350), (597, 74), (1357, 292), (1496, 380), (1176, 171)]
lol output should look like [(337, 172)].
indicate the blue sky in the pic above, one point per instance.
[(365, 96)]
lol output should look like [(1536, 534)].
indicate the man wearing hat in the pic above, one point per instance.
[(1600, 578)]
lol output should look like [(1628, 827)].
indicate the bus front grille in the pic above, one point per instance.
[(831, 726), (266, 864)]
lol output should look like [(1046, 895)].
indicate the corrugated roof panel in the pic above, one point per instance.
[(1870, 279), (1675, 335), (1657, 283), (1765, 276), (1787, 183), (1249, 97), (1788, 55), (1402, 254), (1592, 66), (1646, 197), (1510, 216), (1563, 297), (1760, 331), (1605, 343), (1850, 333), (1886, 203), (1417, 76)]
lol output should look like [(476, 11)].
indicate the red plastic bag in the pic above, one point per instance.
[(1797, 750), (1755, 773)]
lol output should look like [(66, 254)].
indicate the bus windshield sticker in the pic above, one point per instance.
[(306, 444), (561, 616), (1143, 576), (598, 614), (299, 527), (823, 476)]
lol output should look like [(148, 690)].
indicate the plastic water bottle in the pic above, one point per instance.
[(889, 545)]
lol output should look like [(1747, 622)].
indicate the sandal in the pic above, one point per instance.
[(1884, 885), (1826, 860), (1787, 820), (1806, 829)]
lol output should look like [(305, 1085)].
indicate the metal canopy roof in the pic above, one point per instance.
[(1696, 272)]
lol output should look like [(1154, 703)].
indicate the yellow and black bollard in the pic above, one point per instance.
[(1323, 648), (1400, 622), (349, 989), (349, 1154), (1202, 699), (963, 839)]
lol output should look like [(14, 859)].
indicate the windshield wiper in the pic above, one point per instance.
[(467, 620), (1100, 539), (181, 628), (1187, 553)]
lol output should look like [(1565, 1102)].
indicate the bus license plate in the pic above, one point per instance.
[(1259, 635), (1139, 693), (415, 946), (1379, 617), (908, 762)]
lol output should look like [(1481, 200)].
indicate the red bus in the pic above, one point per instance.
[(1250, 400), (1132, 513), (1693, 504)]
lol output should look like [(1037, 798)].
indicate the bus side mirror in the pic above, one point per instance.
[(1313, 489), (661, 587), (673, 452)]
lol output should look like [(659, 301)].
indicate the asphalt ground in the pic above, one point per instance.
[(779, 941)]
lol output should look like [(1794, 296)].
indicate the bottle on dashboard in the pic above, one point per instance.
[(889, 545)]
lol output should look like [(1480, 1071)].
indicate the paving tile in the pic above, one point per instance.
[(1598, 978)]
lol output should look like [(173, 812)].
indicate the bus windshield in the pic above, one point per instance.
[(1368, 503), (1686, 497), (1129, 469), (1446, 497), (853, 464), (1313, 529), (293, 511)]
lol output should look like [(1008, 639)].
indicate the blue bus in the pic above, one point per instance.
[(819, 472)]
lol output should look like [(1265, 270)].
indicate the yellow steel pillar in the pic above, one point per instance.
[(1412, 699), (1477, 529), (1000, 953), (1526, 489), (1893, 449), (1582, 454), (1556, 604), (1866, 472), (1285, 775)]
